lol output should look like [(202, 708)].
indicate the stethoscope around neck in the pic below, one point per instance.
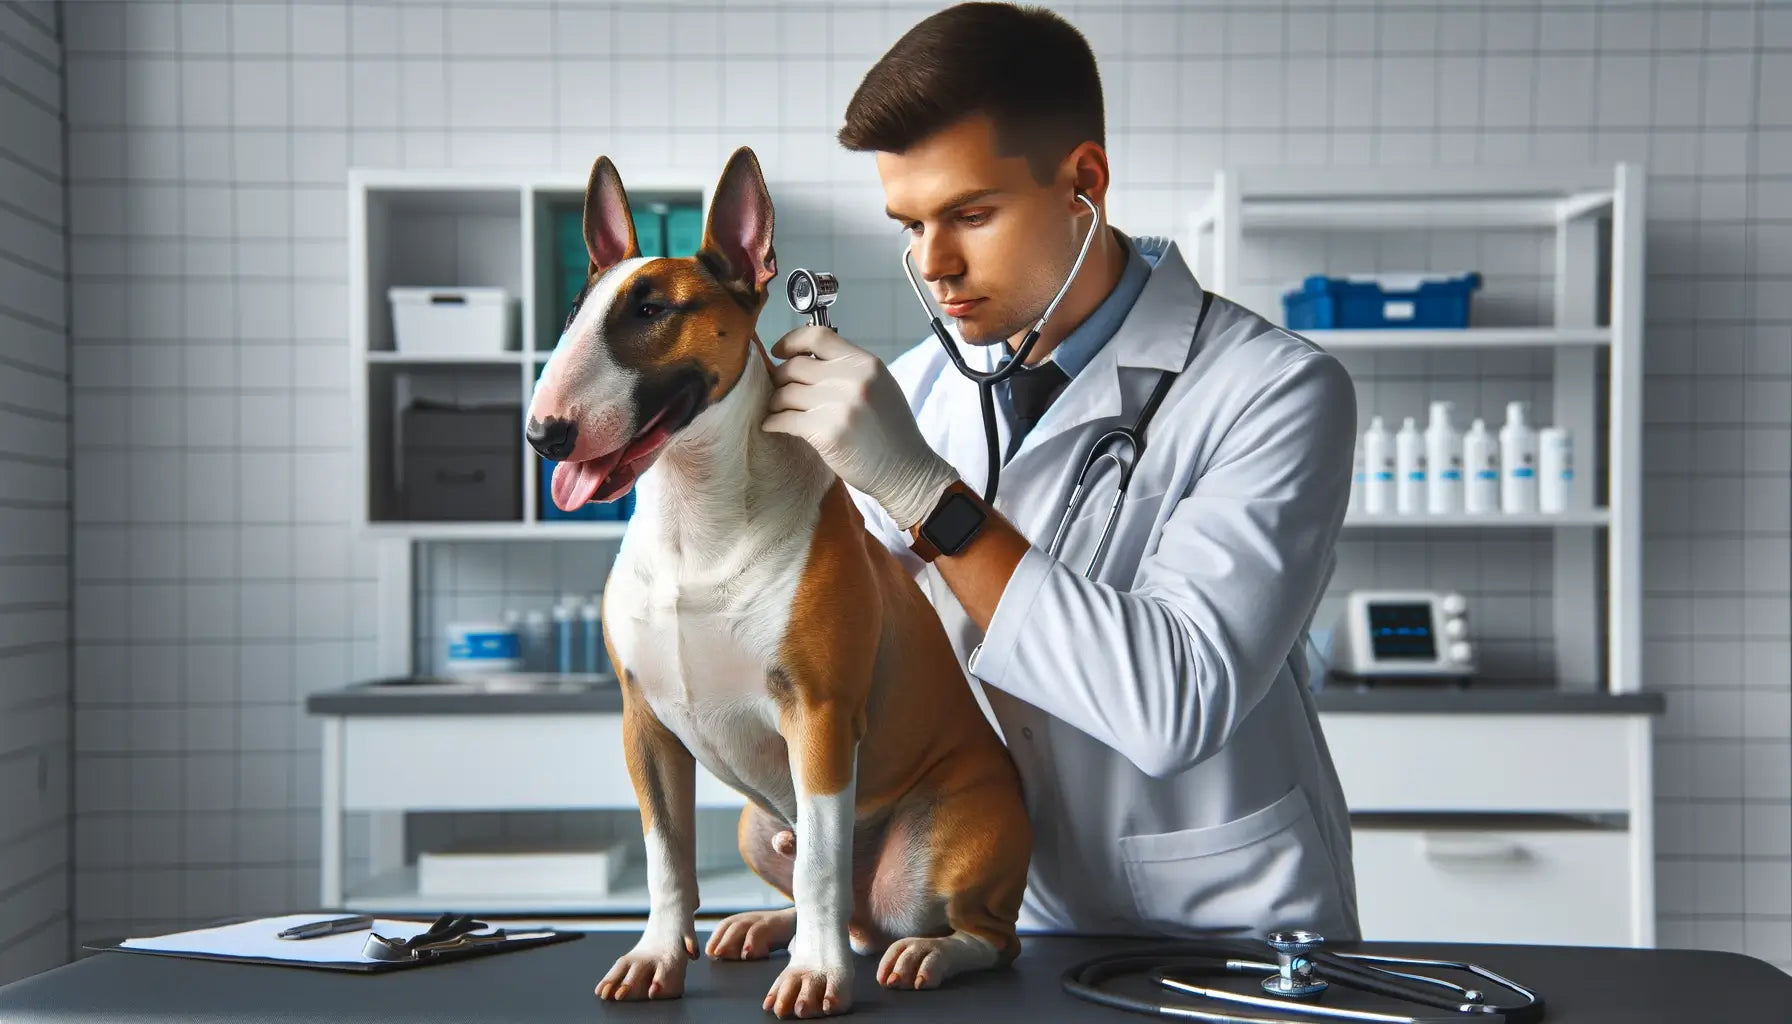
[(1107, 447), (987, 380)]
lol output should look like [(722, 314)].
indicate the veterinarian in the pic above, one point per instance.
[(1171, 755)]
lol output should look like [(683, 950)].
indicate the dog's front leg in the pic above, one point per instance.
[(664, 775), (823, 739)]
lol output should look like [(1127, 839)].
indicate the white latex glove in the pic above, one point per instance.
[(843, 401)]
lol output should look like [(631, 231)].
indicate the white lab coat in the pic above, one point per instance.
[(1171, 753)]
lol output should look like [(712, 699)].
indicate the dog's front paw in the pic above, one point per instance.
[(647, 973), (811, 989)]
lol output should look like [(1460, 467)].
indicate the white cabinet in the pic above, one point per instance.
[(1466, 827), (572, 761), (1469, 827)]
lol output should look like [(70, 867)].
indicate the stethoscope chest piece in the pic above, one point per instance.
[(810, 293), (1292, 984), (1295, 979)]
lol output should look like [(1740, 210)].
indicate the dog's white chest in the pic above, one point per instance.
[(685, 658), (700, 649)]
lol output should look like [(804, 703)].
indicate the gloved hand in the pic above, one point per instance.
[(843, 401)]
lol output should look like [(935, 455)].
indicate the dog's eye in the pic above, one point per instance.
[(648, 310)]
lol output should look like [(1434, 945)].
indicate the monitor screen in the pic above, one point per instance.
[(1402, 632)]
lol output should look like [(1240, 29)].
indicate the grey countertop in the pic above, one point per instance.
[(545, 694)]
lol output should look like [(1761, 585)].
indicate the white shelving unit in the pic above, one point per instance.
[(1476, 338), (1479, 520), (1596, 216), (461, 229), (1501, 827)]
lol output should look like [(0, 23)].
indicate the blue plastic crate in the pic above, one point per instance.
[(1359, 301)]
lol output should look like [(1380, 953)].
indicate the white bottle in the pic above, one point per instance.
[(565, 637), (1481, 468), (1443, 462), (1378, 469), (538, 642), (1518, 462), (1555, 469), (1409, 469)]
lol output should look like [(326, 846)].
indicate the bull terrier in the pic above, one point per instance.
[(758, 628)]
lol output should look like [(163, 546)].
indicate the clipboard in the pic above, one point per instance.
[(254, 941)]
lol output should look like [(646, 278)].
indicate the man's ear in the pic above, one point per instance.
[(737, 239), (609, 225)]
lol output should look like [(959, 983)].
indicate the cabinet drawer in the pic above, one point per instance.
[(470, 485), (494, 762), (1456, 884), (1564, 764)]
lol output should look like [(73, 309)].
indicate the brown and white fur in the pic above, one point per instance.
[(756, 627)]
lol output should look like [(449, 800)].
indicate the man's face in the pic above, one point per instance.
[(981, 231)]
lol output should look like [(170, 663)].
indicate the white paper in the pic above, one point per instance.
[(260, 939)]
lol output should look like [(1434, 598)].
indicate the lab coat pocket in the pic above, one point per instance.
[(1269, 869)]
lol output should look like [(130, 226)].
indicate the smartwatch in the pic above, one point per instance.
[(951, 524)]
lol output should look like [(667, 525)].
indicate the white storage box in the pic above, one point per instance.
[(500, 868), (452, 321)]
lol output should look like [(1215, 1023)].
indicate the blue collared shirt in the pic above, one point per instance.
[(1081, 344)]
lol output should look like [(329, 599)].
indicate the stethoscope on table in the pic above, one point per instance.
[(1299, 973), (811, 293)]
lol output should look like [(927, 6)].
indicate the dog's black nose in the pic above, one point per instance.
[(554, 439)]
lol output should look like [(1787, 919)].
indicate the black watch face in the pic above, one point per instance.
[(953, 523)]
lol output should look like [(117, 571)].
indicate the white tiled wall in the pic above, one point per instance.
[(217, 579), (34, 497)]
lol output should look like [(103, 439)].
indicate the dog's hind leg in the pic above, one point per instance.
[(981, 842)]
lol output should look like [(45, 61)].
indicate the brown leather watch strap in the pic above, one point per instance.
[(923, 547)]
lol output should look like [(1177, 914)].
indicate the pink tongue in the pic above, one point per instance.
[(576, 482), (606, 478)]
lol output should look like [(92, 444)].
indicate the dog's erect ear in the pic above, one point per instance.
[(609, 225), (737, 240)]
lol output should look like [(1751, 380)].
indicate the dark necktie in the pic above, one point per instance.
[(1031, 391)]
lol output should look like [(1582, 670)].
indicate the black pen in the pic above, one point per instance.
[(317, 929)]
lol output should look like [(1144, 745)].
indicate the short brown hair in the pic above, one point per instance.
[(1026, 68)]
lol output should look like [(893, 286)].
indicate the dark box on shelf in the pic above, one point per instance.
[(462, 463)]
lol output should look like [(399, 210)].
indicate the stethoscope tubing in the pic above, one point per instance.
[(1103, 448), (987, 380)]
